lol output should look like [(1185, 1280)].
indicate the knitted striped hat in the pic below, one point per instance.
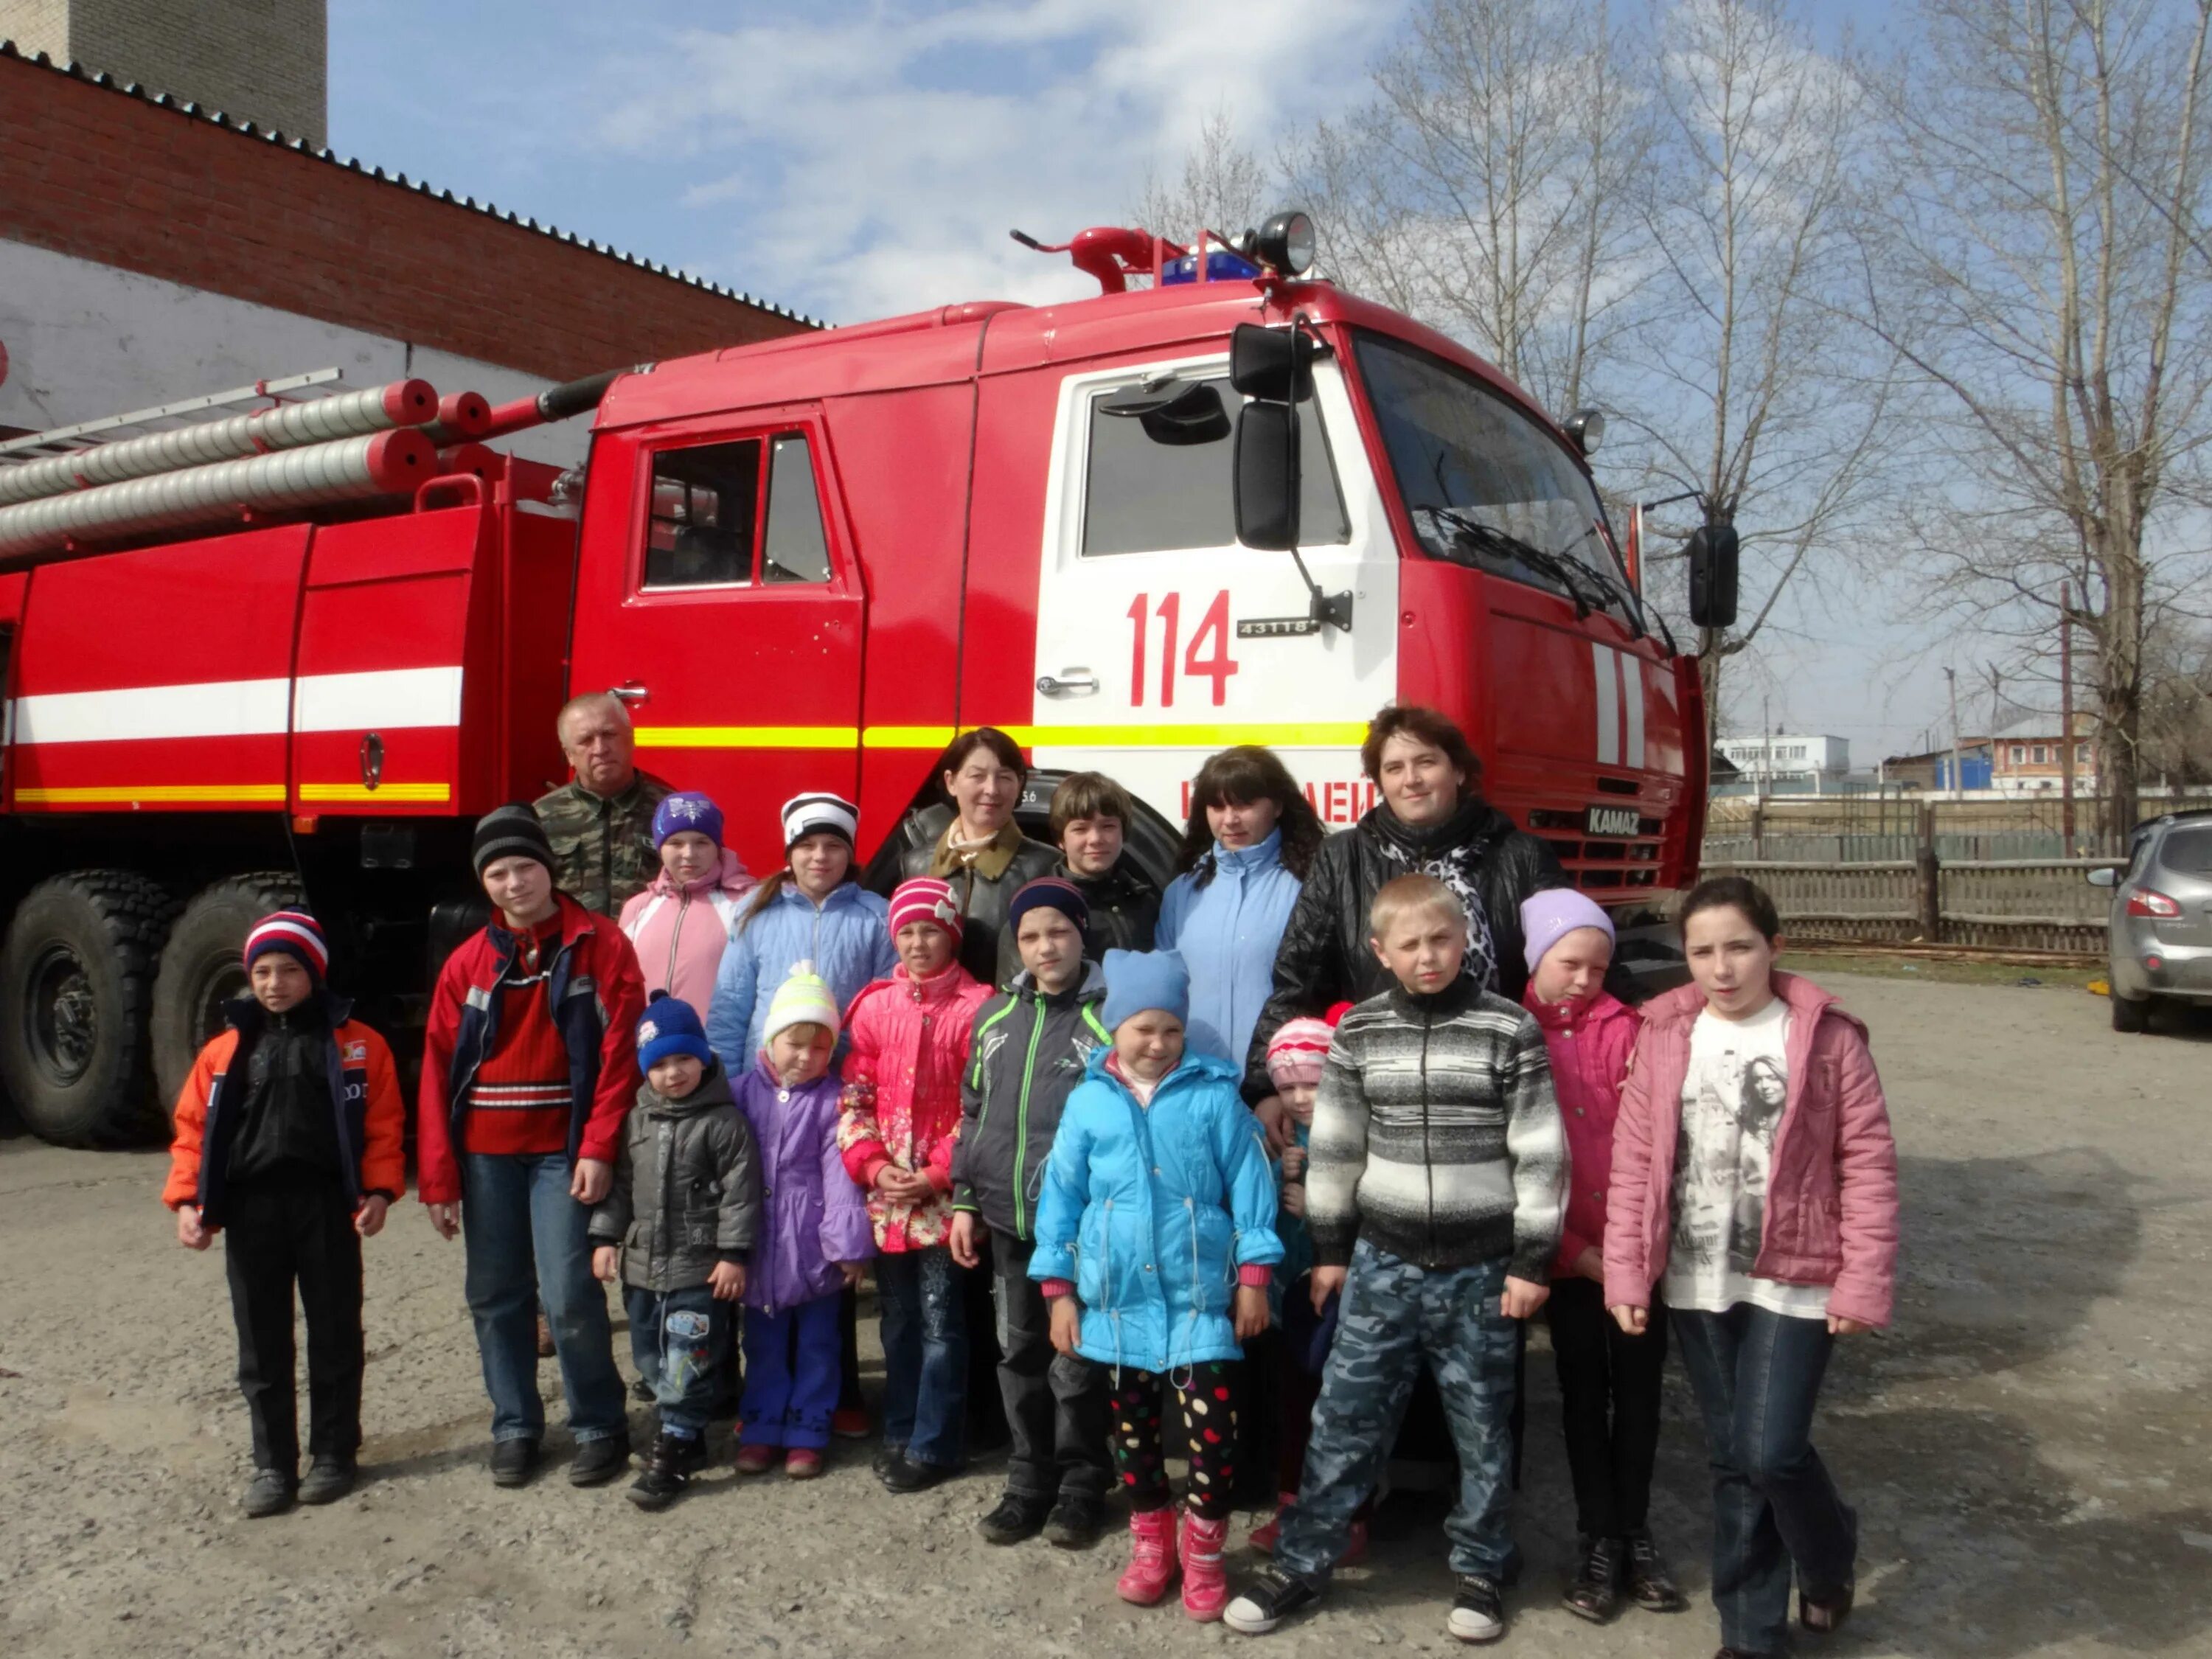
[(813, 814), (805, 999), (294, 932), (1054, 893), (925, 898), (512, 832), (1295, 1052)]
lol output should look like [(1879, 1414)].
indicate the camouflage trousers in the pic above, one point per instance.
[(1394, 1316)]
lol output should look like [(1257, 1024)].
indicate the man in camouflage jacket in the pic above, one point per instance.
[(600, 822)]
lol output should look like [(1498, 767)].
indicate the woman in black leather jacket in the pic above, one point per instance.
[(982, 852), (1431, 819)]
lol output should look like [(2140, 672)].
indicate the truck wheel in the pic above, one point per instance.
[(76, 983), (2130, 1014), (201, 968)]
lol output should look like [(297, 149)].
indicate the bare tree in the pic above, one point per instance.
[(1223, 188), (1749, 387), (1482, 187), (2041, 267)]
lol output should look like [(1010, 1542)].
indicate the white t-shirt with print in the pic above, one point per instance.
[(1732, 1101)]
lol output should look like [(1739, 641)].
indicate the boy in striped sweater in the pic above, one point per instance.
[(1435, 1193)]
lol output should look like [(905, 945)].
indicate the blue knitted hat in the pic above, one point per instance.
[(1138, 980), (687, 809), (671, 1025)]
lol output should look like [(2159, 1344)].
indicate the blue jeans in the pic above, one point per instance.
[(681, 1358), (792, 1359), (526, 1241), (1757, 1376), (1393, 1316), (924, 1356)]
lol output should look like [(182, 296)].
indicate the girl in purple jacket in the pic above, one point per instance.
[(815, 1239)]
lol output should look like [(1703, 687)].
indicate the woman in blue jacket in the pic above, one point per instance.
[(810, 911), (1155, 1244), (1251, 840)]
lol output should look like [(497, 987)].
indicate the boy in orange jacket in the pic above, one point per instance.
[(289, 1138)]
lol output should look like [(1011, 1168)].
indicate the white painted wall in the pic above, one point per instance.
[(84, 340)]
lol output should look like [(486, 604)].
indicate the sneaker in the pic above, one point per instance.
[(802, 1463), (850, 1423), (1273, 1594), (1016, 1520), (1477, 1614), (1594, 1593), (1152, 1566), (903, 1474), (1651, 1586), (597, 1461), (329, 1478), (1076, 1521), (1205, 1579), (513, 1463), (269, 1492), (1825, 1614), (753, 1459), (642, 1391)]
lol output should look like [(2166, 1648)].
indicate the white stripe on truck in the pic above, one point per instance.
[(386, 699)]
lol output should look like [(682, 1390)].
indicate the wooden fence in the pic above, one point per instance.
[(2029, 904)]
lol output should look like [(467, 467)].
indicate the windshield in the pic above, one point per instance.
[(1485, 486)]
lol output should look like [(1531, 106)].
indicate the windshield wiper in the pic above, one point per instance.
[(1569, 574)]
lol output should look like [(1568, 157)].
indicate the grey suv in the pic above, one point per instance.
[(2161, 925)]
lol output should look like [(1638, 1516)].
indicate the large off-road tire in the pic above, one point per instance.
[(201, 970), (2130, 1014), (76, 987)]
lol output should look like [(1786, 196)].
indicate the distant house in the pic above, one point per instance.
[(1788, 757), (2029, 756), (1932, 770)]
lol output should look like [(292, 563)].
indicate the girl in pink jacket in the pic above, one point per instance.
[(681, 924), (1754, 1186), (1609, 1378), (909, 1037)]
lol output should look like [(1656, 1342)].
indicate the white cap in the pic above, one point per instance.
[(814, 814)]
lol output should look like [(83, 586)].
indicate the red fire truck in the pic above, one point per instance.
[(291, 655)]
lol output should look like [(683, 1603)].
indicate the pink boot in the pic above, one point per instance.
[(1151, 1557), (1264, 1535), (1205, 1580)]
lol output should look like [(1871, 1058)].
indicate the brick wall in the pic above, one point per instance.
[(255, 60), (93, 171)]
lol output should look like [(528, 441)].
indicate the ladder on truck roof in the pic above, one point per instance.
[(62, 439)]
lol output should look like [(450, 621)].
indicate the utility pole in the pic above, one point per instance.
[(1958, 781), (2066, 716)]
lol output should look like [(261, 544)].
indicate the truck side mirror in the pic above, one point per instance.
[(1266, 475), (1713, 555), (1273, 364)]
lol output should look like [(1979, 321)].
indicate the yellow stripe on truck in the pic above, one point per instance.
[(157, 794), (1340, 735), (390, 791)]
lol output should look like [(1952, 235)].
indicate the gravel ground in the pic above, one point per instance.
[(2028, 1448)]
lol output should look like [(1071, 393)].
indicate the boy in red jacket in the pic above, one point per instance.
[(528, 1070), (1609, 1380), (289, 1134)]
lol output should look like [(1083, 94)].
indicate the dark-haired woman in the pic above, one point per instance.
[(1432, 819), (1251, 840), (982, 852)]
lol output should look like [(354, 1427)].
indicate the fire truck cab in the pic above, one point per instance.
[(1128, 530)]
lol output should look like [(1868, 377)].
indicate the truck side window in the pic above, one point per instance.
[(703, 513), (794, 548), (1143, 496)]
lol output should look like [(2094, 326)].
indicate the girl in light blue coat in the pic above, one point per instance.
[(806, 912), (1251, 841), (1155, 1244)]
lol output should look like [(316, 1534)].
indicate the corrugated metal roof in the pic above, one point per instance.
[(468, 204)]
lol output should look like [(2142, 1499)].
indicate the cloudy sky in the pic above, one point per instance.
[(852, 159)]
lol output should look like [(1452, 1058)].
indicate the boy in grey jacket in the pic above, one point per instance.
[(684, 1210)]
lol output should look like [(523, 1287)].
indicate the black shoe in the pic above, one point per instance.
[(1594, 1593), (669, 1467), (329, 1478), (1826, 1613), (1076, 1521), (903, 1474), (881, 1462), (642, 1391), (1272, 1595), (1651, 1586), (1015, 1520), (269, 1492), (1740, 1653), (597, 1461), (1477, 1613), (513, 1463)]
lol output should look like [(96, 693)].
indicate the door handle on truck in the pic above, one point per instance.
[(1056, 688), (631, 693)]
